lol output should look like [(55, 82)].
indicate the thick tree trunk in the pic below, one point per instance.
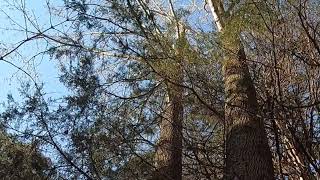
[(169, 151), (248, 156)]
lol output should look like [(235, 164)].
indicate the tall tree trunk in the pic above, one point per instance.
[(248, 155), (247, 152), (168, 156), (169, 151)]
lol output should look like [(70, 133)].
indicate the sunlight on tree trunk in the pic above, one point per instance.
[(247, 151), (248, 155)]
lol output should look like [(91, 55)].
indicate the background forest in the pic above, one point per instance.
[(162, 90)]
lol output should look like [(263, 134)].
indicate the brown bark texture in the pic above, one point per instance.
[(168, 156), (248, 156)]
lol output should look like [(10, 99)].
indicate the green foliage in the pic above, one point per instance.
[(246, 17), (124, 52), (22, 161)]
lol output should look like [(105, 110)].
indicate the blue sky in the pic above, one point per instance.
[(45, 69)]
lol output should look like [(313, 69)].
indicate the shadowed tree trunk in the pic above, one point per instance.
[(168, 158), (169, 150), (248, 155), (247, 152)]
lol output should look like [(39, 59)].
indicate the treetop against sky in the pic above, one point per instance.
[(160, 89)]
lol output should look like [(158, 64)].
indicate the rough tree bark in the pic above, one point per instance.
[(248, 155), (169, 151), (168, 156), (247, 152)]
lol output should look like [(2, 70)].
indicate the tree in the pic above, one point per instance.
[(156, 92), (247, 151), (22, 161)]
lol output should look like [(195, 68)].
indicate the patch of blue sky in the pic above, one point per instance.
[(14, 27)]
